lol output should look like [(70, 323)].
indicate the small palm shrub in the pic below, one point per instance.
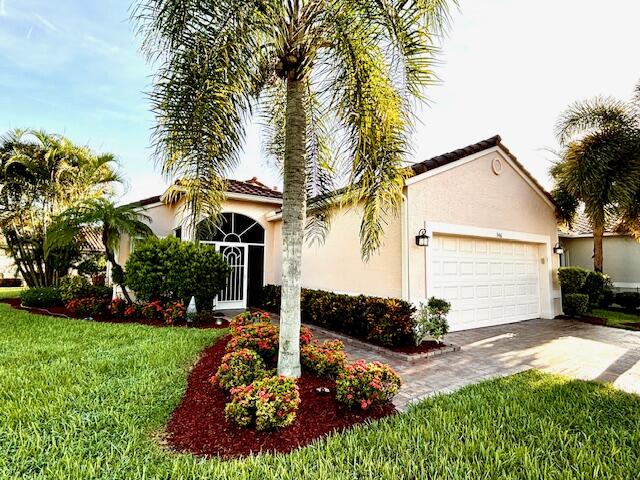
[(576, 304), (431, 320), (364, 384), (41, 297), (239, 368), (324, 359), (266, 404), (260, 337)]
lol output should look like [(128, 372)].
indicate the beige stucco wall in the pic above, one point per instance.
[(166, 218), (336, 265), (621, 256), (471, 194)]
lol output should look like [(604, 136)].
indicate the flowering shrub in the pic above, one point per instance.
[(90, 306), (239, 368), (174, 312), (152, 310), (363, 384), (133, 311), (268, 403), (324, 359), (261, 337), (306, 337), (248, 318), (118, 307)]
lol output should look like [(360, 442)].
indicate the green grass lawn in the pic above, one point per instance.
[(88, 400), (617, 319), (10, 292)]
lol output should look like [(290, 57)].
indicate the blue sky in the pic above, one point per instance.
[(509, 67)]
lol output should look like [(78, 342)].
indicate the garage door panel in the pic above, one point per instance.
[(487, 281)]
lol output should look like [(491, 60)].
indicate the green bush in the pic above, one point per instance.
[(595, 285), (576, 304), (168, 269), (41, 297), (239, 368), (630, 301), (75, 287), (266, 404), (385, 321), (607, 298), (260, 337), (572, 279), (431, 320)]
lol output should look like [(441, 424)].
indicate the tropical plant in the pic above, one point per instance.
[(333, 79), (169, 269), (599, 166), (114, 221), (431, 320), (42, 175)]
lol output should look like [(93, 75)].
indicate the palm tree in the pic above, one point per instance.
[(331, 78), (114, 221), (41, 175), (599, 166)]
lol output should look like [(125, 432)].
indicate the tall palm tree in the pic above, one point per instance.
[(331, 78), (599, 166), (114, 221)]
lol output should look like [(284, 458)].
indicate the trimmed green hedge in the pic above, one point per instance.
[(41, 297), (385, 321), (576, 304)]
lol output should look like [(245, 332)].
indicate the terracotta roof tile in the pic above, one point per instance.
[(582, 226), (92, 240)]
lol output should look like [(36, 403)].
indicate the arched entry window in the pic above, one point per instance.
[(232, 227), (240, 240)]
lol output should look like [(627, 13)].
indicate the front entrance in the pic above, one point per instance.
[(240, 240), (234, 294)]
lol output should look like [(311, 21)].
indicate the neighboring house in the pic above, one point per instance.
[(621, 253), (491, 229)]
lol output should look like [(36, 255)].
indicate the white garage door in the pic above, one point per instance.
[(488, 282)]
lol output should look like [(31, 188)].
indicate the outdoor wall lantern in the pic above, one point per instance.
[(422, 239), (558, 250)]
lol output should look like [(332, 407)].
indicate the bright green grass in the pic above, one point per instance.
[(617, 319), (86, 400), (10, 292)]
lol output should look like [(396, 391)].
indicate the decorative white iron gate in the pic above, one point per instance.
[(234, 294)]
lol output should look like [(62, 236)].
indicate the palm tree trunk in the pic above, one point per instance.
[(293, 222), (598, 234), (117, 272)]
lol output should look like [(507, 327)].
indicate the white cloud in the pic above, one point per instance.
[(3, 8), (48, 24)]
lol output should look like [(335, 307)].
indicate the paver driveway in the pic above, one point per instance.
[(575, 349)]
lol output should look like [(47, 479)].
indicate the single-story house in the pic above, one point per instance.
[(621, 253), (491, 231)]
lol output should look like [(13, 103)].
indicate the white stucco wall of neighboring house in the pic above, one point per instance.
[(336, 264), (468, 198), (621, 257)]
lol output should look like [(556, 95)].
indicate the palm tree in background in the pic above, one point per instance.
[(599, 166), (41, 175), (334, 81), (114, 222)]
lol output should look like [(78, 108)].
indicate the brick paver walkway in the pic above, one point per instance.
[(575, 349)]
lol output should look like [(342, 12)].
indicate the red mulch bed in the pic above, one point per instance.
[(424, 347), (198, 425), (62, 311)]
